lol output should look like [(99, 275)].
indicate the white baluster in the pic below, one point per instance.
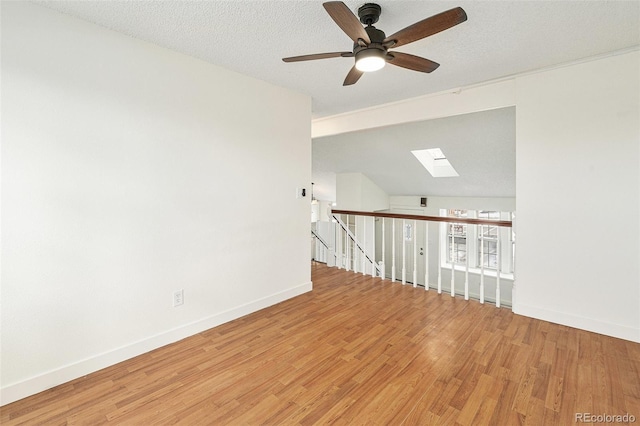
[(482, 264), (440, 261), (499, 267), (466, 271), (343, 252), (338, 244), (404, 249), (415, 253), (373, 244), (356, 252), (331, 255), (453, 263), (363, 254), (382, 269), (348, 244), (426, 255), (393, 250)]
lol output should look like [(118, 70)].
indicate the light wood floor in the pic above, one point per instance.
[(358, 350)]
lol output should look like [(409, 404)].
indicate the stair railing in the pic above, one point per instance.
[(324, 252), (351, 251)]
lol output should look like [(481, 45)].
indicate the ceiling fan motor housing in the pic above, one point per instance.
[(376, 36)]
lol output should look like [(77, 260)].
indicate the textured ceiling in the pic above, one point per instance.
[(480, 146), (500, 38)]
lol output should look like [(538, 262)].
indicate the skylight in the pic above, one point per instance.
[(435, 162)]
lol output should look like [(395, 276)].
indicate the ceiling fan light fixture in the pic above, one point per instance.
[(368, 60), (371, 45)]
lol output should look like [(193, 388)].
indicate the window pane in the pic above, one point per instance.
[(489, 255), (486, 214), (488, 240), (458, 250), (457, 238), (457, 213), (489, 231), (457, 229)]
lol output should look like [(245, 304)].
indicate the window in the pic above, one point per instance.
[(488, 241), (478, 242), (457, 239)]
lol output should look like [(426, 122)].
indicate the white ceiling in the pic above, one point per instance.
[(500, 38)]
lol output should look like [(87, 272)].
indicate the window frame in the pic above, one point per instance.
[(472, 237)]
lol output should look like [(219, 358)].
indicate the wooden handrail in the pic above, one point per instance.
[(470, 221)]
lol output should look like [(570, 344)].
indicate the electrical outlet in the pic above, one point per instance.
[(178, 298)]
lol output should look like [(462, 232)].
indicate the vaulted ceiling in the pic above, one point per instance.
[(480, 146)]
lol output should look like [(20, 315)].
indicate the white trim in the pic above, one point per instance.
[(583, 323), (443, 104), (446, 103), (31, 386), (476, 271)]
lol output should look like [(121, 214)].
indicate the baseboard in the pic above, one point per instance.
[(81, 368), (583, 323)]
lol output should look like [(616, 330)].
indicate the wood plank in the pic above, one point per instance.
[(358, 350)]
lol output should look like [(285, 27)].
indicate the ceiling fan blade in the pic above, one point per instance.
[(427, 27), (412, 62), (346, 20), (353, 76), (318, 56)]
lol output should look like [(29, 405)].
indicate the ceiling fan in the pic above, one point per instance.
[(371, 46)]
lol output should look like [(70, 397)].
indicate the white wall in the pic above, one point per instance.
[(577, 150), (373, 197), (129, 172), (348, 191), (578, 196), (355, 191), (325, 207)]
